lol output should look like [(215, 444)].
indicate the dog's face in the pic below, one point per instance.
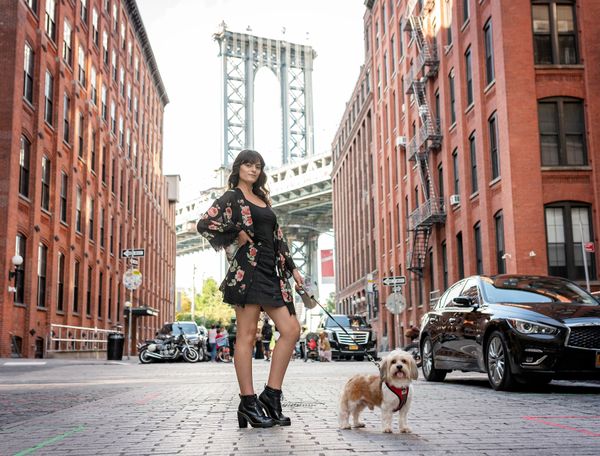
[(398, 368)]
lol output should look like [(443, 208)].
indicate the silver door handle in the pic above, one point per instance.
[(452, 320)]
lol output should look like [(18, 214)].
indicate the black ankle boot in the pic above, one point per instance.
[(271, 399), (251, 411)]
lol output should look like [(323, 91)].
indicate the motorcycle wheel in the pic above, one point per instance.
[(144, 358), (191, 355), (223, 358)]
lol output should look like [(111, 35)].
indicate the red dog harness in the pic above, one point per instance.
[(402, 394)]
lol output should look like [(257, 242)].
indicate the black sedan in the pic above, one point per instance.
[(517, 328)]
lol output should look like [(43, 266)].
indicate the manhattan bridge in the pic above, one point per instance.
[(301, 187)]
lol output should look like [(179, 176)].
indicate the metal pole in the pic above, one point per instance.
[(585, 265), (193, 305)]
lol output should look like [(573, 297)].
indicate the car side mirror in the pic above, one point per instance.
[(462, 301)]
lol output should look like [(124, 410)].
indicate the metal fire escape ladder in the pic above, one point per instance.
[(427, 139)]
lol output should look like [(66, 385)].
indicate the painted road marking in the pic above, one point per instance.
[(546, 420), (24, 363), (58, 438), (147, 398)]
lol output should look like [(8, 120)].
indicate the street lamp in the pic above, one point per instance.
[(17, 261), (128, 307)]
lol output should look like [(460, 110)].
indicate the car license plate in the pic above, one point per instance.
[(598, 359), (355, 347)]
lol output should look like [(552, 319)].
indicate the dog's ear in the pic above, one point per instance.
[(414, 372), (383, 369)]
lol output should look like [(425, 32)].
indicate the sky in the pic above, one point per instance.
[(180, 33)]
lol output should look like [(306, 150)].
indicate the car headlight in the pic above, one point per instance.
[(527, 327)]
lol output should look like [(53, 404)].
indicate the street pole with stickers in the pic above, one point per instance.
[(132, 279)]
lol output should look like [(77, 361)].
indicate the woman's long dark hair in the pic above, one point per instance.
[(252, 157)]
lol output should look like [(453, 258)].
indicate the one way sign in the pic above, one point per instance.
[(394, 281), (130, 253)]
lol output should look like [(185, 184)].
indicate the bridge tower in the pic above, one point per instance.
[(242, 55)]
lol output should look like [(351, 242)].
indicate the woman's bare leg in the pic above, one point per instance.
[(247, 320), (289, 332)]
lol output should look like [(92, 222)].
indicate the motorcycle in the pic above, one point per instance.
[(413, 349), (223, 351), (170, 348)]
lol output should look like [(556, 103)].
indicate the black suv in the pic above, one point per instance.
[(342, 346)]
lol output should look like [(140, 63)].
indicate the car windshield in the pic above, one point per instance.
[(345, 321), (187, 328), (507, 289)]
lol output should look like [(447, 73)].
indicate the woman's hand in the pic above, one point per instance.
[(243, 238), (297, 277)]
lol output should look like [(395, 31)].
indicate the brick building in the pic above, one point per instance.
[(484, 152), (80, 172)]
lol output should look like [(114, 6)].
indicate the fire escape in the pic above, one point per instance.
[(426, 139)]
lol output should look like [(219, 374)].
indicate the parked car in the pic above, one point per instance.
[(517, 328), (342, 346), (197, 335)]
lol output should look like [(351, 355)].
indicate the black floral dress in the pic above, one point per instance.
[(267, 257)]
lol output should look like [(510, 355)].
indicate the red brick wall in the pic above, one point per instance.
[(147, 222)]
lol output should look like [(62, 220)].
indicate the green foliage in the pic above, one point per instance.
[(210, 308), (330, 303)]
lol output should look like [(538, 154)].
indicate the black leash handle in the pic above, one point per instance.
[(369, 357)]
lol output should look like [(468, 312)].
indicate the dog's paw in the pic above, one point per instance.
[(405, 430), (387, 430), (359, 425)]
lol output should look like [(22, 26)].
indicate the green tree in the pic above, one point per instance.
[(330, 303), (210, 308)]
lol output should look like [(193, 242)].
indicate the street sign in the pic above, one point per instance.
[(134, 261), (132, 279), (397, 289), (589, 247), (393, 281), (395, 303), (129, 253)]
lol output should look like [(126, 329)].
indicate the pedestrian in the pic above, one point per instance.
[(258, 349), (212, 341), (232, 330), (242, 223), (324, 347), (267, 334)]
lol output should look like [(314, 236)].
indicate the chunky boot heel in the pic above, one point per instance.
[(251, 411), (270, 398), (242, 421)]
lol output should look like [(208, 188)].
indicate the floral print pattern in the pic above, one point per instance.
[(220, 225)]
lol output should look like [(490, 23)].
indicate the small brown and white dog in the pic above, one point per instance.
[(390, 391)]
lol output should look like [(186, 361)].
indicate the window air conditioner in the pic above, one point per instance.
[(454, 200), (401, 141)]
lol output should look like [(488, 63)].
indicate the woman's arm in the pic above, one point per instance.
[(217, 224)]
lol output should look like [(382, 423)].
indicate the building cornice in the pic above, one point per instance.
[(140, 31)]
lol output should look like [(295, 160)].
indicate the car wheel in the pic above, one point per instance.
[(430, 373), (144, 358), (359, 357), (497, 363)]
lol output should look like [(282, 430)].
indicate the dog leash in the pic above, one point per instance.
[(303, 292)]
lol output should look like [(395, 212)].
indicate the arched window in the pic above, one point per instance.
[(562, 132), (568, 225)]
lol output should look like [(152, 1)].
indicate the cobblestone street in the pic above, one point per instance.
[(124, 408)]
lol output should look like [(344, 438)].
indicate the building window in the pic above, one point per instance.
[(469, 76), (499, 225), (115, 16), (64, 188), (460, 256), (478, 251), (554, 32), (78, 210), (113, 118), (113, 175), (444, 266), (95, 31), (114, 63), (122, 81), (110, 295), (466, 11), (91, 218), (105, 47), (84, 11), (103, 164), (489, 52), (562, 132), (60, 289), (42, 258), (103, 101), (567, 226), (33, 5), (102, 227), (50, 21), (76, 287), (441, 181), (455, 172), (494, 152), (452, 98), (20, 249), (88, 301), (45, 183), (93, 153), (49, 98), (81, 135), (473, 152), (111, 235), (24, 156), (28, 73), (438, 113), (100, 296), (93, 86), (66, 123), (81, 62)]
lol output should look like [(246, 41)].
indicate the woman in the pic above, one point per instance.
[(242, 223), (324, 347)]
